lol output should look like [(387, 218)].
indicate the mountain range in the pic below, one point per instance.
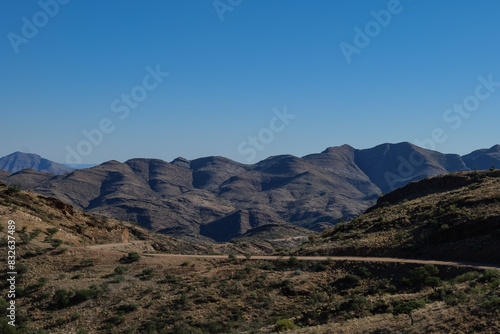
[(215, 198)]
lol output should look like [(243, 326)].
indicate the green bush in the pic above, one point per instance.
[(492, 302), (113, 321), (35, 233), (120, 270), (363, 272), (3, 307), (424, 276), (20, 291), (5, 328), (132, 257), (349, 280), (293, 261), (21, 268), (284, 325), (356, 304), (118, 279), (14, 188), (321, 267), (41, 283), (267, 266), (44, 295), (456, 298), (52, 230), (127, 308), (489, 275), (61, 298), (56, 243), (83, 295), (444, 227), (468, 276), (147, 274)]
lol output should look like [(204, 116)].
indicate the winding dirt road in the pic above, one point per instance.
[(303, 258), (338, 258)]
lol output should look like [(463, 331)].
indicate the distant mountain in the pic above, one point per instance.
[(18, 161), (215, 198), (391, 166), (483, 159)]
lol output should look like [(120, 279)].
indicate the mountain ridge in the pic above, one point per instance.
[(186, 198)]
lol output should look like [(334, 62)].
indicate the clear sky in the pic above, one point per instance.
[(74, 66)]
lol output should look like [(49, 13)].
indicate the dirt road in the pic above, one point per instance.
[(338, 258), (303, 258)]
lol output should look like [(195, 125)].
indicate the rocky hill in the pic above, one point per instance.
[(215, 198), (452, 217)]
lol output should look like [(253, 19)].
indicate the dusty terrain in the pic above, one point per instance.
[(83, 274)]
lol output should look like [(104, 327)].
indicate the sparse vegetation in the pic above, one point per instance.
[(14, 188), (133, 293), (284, 325), (131, 257), (408, 308), (56, 242), (120, 270), (424, 276), (52, 230)]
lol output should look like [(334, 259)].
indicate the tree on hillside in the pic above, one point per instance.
[(408, 308)]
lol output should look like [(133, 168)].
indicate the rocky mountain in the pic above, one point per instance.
[(18, 161), (215, 198), (483, 159), (391, 166)]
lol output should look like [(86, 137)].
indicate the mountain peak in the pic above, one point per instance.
[(494, 148), (181, 162), (20, 154), (336, 149), (18, 161)]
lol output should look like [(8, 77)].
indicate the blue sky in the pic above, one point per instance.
[(228, 78)]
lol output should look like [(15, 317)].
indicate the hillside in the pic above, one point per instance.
[(217, 199), (37, 213), (18, 161), (78, 273), (453, 217)]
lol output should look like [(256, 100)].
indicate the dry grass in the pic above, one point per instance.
[(184, 295)]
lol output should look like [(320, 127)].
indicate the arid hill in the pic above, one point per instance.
[(78, 273), (449, 217), (215, 198)]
